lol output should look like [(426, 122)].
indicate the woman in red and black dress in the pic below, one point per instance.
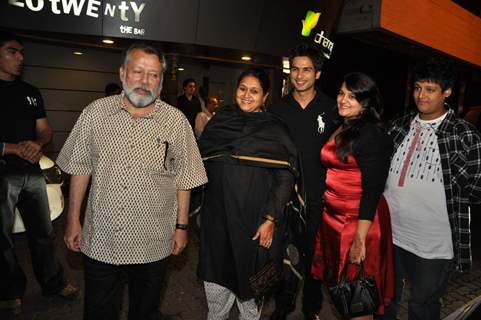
[(356, 225)]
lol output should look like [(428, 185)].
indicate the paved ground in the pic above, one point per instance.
[(183, 298)]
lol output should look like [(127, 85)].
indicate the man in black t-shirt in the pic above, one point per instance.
[(308, 115), (188, 103), (24, 130)]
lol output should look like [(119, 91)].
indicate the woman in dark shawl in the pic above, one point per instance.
[(251, 165)]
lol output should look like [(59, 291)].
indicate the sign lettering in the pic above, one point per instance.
[(325, 43), (89, 8)]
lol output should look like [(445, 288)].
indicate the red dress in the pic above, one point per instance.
[(339, 222)]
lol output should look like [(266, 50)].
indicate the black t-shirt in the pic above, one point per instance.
[(305, 128), (21, 106), (189, 108)]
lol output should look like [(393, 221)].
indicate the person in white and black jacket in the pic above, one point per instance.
[(434, 179)]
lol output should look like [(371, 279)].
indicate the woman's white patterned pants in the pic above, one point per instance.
[(220, 300)]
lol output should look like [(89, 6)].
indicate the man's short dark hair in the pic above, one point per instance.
[(186, 82), (307, 50), (437, 70), (112, 88), (147, 49), (6, 36)]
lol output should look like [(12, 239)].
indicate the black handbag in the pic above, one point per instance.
[(267, 274), (288, 266), (357, 297)]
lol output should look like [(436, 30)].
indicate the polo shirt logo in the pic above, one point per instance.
[(320, 123), (32, 101)]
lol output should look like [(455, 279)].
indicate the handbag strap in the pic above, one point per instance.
[(361, 275)]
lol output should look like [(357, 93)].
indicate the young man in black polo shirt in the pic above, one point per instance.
[(24, 130), (308, 115), (188, 103)]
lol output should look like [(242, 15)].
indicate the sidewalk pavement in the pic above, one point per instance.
[(183, 297)]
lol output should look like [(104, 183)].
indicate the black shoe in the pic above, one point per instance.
[(9, 309)]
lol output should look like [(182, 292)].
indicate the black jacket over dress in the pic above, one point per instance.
[(251, 163)]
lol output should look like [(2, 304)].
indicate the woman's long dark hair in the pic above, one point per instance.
[(367, 94)]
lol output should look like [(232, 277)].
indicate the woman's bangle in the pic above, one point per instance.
[(181, 226), (269, 218)]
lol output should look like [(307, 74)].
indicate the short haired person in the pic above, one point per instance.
[(204, 117), (143, 160), (308, 114), (188, 103), (24, 130), (112, 88), (434, 178)]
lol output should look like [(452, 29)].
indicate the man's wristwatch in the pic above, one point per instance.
[(181, 226)]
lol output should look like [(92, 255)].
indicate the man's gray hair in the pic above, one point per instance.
[(147, 49)]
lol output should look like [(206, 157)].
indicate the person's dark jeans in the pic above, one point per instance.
[(25, 188), (312, 296), (429, 282), (103, 289)]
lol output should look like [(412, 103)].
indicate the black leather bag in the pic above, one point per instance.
[(355, 298), (267, 274)]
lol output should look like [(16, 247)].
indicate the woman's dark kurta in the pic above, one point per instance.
[(241, 190)]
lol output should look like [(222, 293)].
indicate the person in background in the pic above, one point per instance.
[(308, 115), (24, 131), (112, 88), (188, 103), (203, 117), (143, 160), (355, 224), (434, 179), (251, 164)]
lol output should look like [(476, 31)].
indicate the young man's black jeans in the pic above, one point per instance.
[(312, 296), (429, 281), (23, 186)]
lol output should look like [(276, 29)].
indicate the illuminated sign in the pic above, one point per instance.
[(310, 22), (181, 21), (90, 8), (326, 44)]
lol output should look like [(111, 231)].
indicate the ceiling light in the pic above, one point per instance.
[(180, 69), (286, 65), (246, 58), (108, 41), (78, 53)]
